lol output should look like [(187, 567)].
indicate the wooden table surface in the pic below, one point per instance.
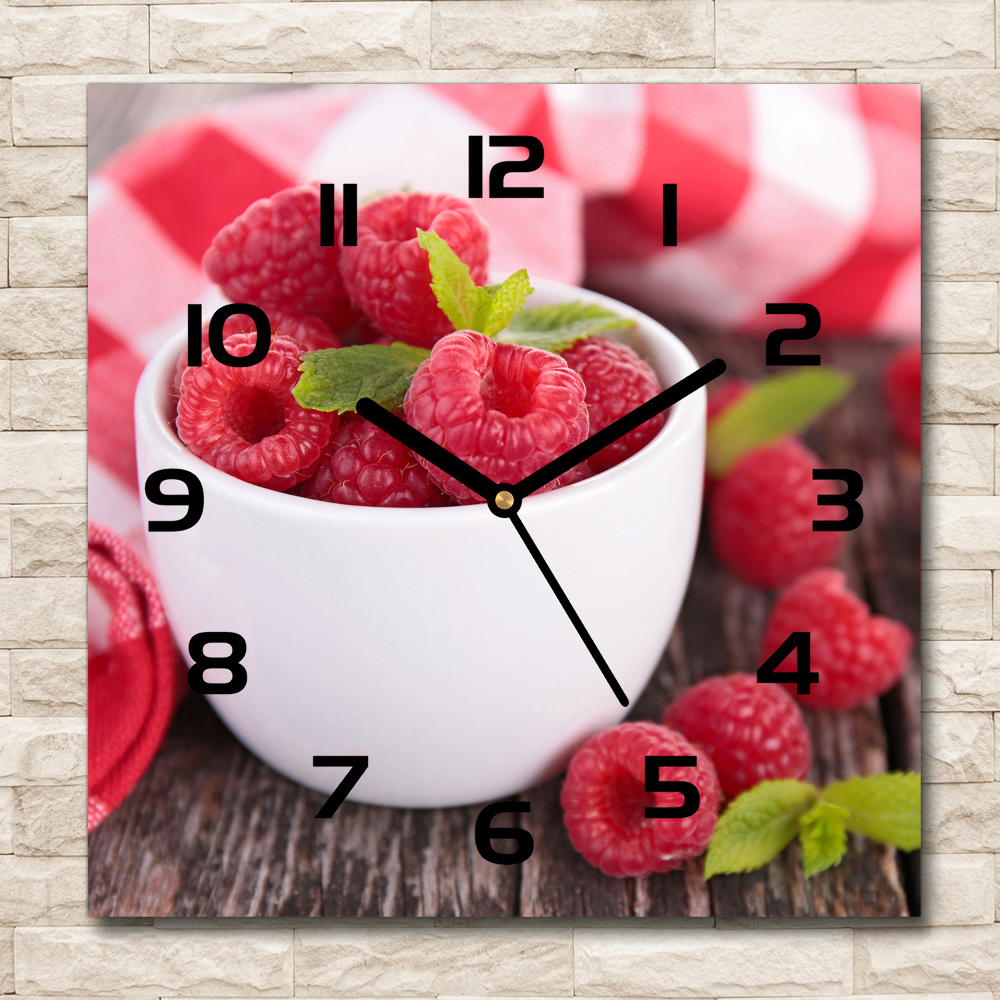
[(211, 831)]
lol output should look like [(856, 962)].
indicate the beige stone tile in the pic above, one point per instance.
[(48, 251), (417, 960), (49, 819), (49, 539), (43, 180), (739, 74), (959, 317), (6, 959), (472, 74), (43, 612), (43, 467), (961, 676), (4, 395), (49, 682), (961, 246), (307, 37), (958, 459), (149, 962), (49, 111), (962, 818), (838, 33), (6, 820), (961, 532), (959, 175), (4, 234), (957, 104), (43, 323), (961, 388), (957, 746), (6, 129), (635, 962), (5, 542), (581, 33), (108, 39), (918, 960), (43, 751), (48, 394), (5, 685), (42, 890), (957, 604), (958, 889)]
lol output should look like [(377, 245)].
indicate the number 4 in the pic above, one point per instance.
[(801, 676)]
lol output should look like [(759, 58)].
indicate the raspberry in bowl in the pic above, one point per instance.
[(425, 638)]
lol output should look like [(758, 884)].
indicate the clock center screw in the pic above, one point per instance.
[(504, 500)]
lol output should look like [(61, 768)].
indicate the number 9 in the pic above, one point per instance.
[(194, 499)]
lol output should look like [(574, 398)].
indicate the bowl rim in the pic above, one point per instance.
[(684, 420)]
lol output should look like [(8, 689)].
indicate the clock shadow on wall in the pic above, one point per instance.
[(212, 831)]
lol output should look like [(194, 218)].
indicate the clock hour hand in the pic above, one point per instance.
[(428, 449), (568, 608), (619, 428)]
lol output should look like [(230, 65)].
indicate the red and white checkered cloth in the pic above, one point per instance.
[(786, 193)]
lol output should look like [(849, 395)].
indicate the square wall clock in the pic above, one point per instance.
[(505, 500)]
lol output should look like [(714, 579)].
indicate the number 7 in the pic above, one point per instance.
[(357, 765)]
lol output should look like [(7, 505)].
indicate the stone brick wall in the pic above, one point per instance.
[(48, 52)]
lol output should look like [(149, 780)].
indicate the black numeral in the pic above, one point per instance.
[(802, 677), (848, 499), (328, 216), (772, 348), (670, 215), (194, 499), (486, 833), (536, 156), (357, 765), (692, 797), (216, 335), (231, 662)]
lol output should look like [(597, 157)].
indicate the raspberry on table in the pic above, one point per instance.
[(245, 421), (617, 381), (388, 275), (366, 467), (506, 410), (753, 732), (901, 386), (857, 655), (760, 515), (271, 256), (604, 801)]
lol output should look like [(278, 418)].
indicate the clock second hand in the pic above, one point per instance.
[(568, 608)]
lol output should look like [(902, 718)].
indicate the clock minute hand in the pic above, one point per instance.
[(568, 608), (426, 448), (619, 428)]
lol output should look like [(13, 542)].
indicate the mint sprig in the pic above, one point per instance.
[(557, 328), (484, 308), (759, 824), (770, 409), (337, 377)]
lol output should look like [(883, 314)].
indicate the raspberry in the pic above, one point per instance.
[(366, 467), (857, 655), (271, 256), (761, 515), (245, 421), (604, 802), (617, 381), (753, 732), (387, 274), (504, 409), (901, 385)]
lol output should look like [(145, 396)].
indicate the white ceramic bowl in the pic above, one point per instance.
[(428, 640)]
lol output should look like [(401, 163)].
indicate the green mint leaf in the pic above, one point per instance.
[(336, 378), (774, 407), (557, 328), (758, 826), (458, 296), (885, 807), (503, 302), (823, 836)]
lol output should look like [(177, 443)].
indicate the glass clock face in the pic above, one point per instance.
[(505, 501)]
